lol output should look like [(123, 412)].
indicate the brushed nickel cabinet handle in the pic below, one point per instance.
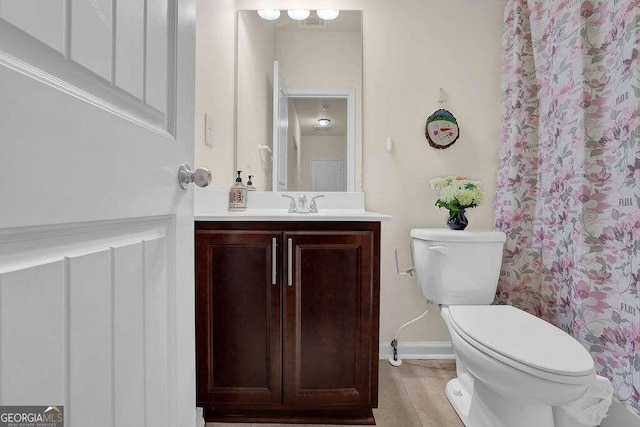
[(290, 262), (274, 261)]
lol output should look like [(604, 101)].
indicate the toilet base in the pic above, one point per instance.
[(459, 399), (489, 409)]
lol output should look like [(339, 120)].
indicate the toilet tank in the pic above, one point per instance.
[(457, 267)]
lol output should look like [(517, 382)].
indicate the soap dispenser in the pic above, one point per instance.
[(250, 186), (238, 195)]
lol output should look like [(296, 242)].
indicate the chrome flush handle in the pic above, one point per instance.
[(444, 250)]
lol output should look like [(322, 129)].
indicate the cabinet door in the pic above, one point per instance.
[(238, 317), (329, 318)]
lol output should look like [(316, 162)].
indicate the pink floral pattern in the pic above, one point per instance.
[(568, 190)]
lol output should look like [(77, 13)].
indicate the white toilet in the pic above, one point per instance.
[(513, 369)]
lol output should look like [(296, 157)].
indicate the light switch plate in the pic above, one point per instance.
[(208, 130)]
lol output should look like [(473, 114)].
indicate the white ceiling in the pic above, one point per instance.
[(309, 110)]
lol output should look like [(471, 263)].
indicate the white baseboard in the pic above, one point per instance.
[(620, 416), (200, 417), (418, 350)]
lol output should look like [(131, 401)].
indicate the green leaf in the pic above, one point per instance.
[(616, 317)]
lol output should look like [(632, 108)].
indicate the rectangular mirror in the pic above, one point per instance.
[(299, 86)]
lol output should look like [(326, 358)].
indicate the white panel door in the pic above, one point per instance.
[(327, 175), (96, 236)]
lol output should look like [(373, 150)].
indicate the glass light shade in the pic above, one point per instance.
[(324, 122), (298, 14), (328, 14), (269, 14)]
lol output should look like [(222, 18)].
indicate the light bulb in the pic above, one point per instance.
[(298, 14), (269, 14), (328, 14), (324, 122)]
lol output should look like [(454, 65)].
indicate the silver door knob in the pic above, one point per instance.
[(201, 176)]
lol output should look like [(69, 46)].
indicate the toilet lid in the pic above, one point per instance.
[(523, 338)]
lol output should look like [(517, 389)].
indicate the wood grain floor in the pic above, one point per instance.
[(411, 395)]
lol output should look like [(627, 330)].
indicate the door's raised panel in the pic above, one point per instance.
[(32, 335), (90, 394), (91, 35), (119, 55), (87, 305), (157, 334), (129, 334), (130, 40), (157, 53), (22, 14)]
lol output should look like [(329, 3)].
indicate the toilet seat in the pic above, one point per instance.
[(524, 342)]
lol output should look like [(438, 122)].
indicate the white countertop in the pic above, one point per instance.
[(283, 215), (211, 205)]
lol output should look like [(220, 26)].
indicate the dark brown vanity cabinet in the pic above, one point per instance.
[(287, 321)]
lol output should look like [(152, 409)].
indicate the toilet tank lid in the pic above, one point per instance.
[(445, 235)]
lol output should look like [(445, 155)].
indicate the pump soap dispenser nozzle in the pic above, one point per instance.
[(250, 186)]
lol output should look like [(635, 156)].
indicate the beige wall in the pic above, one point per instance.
[(215, 87), (255, 99), (411, 49)]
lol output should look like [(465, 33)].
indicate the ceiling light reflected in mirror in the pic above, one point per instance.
[(328, 14), (298, 14), (269, 14)]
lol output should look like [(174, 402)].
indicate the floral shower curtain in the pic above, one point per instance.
[(568, 190)]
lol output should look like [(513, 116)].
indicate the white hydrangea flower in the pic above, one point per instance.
[(455, 193)]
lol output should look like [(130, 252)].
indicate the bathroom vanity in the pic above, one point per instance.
[(287, 313)]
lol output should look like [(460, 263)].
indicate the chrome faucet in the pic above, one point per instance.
[(301, 206), (302, 203), (292, 204), (313, 208)]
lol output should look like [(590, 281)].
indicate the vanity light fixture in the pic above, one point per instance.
[(298, 14), (269, 14), (324, 122), (328, 14)]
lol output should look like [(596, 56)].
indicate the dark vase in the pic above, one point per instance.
[(457, 220)]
